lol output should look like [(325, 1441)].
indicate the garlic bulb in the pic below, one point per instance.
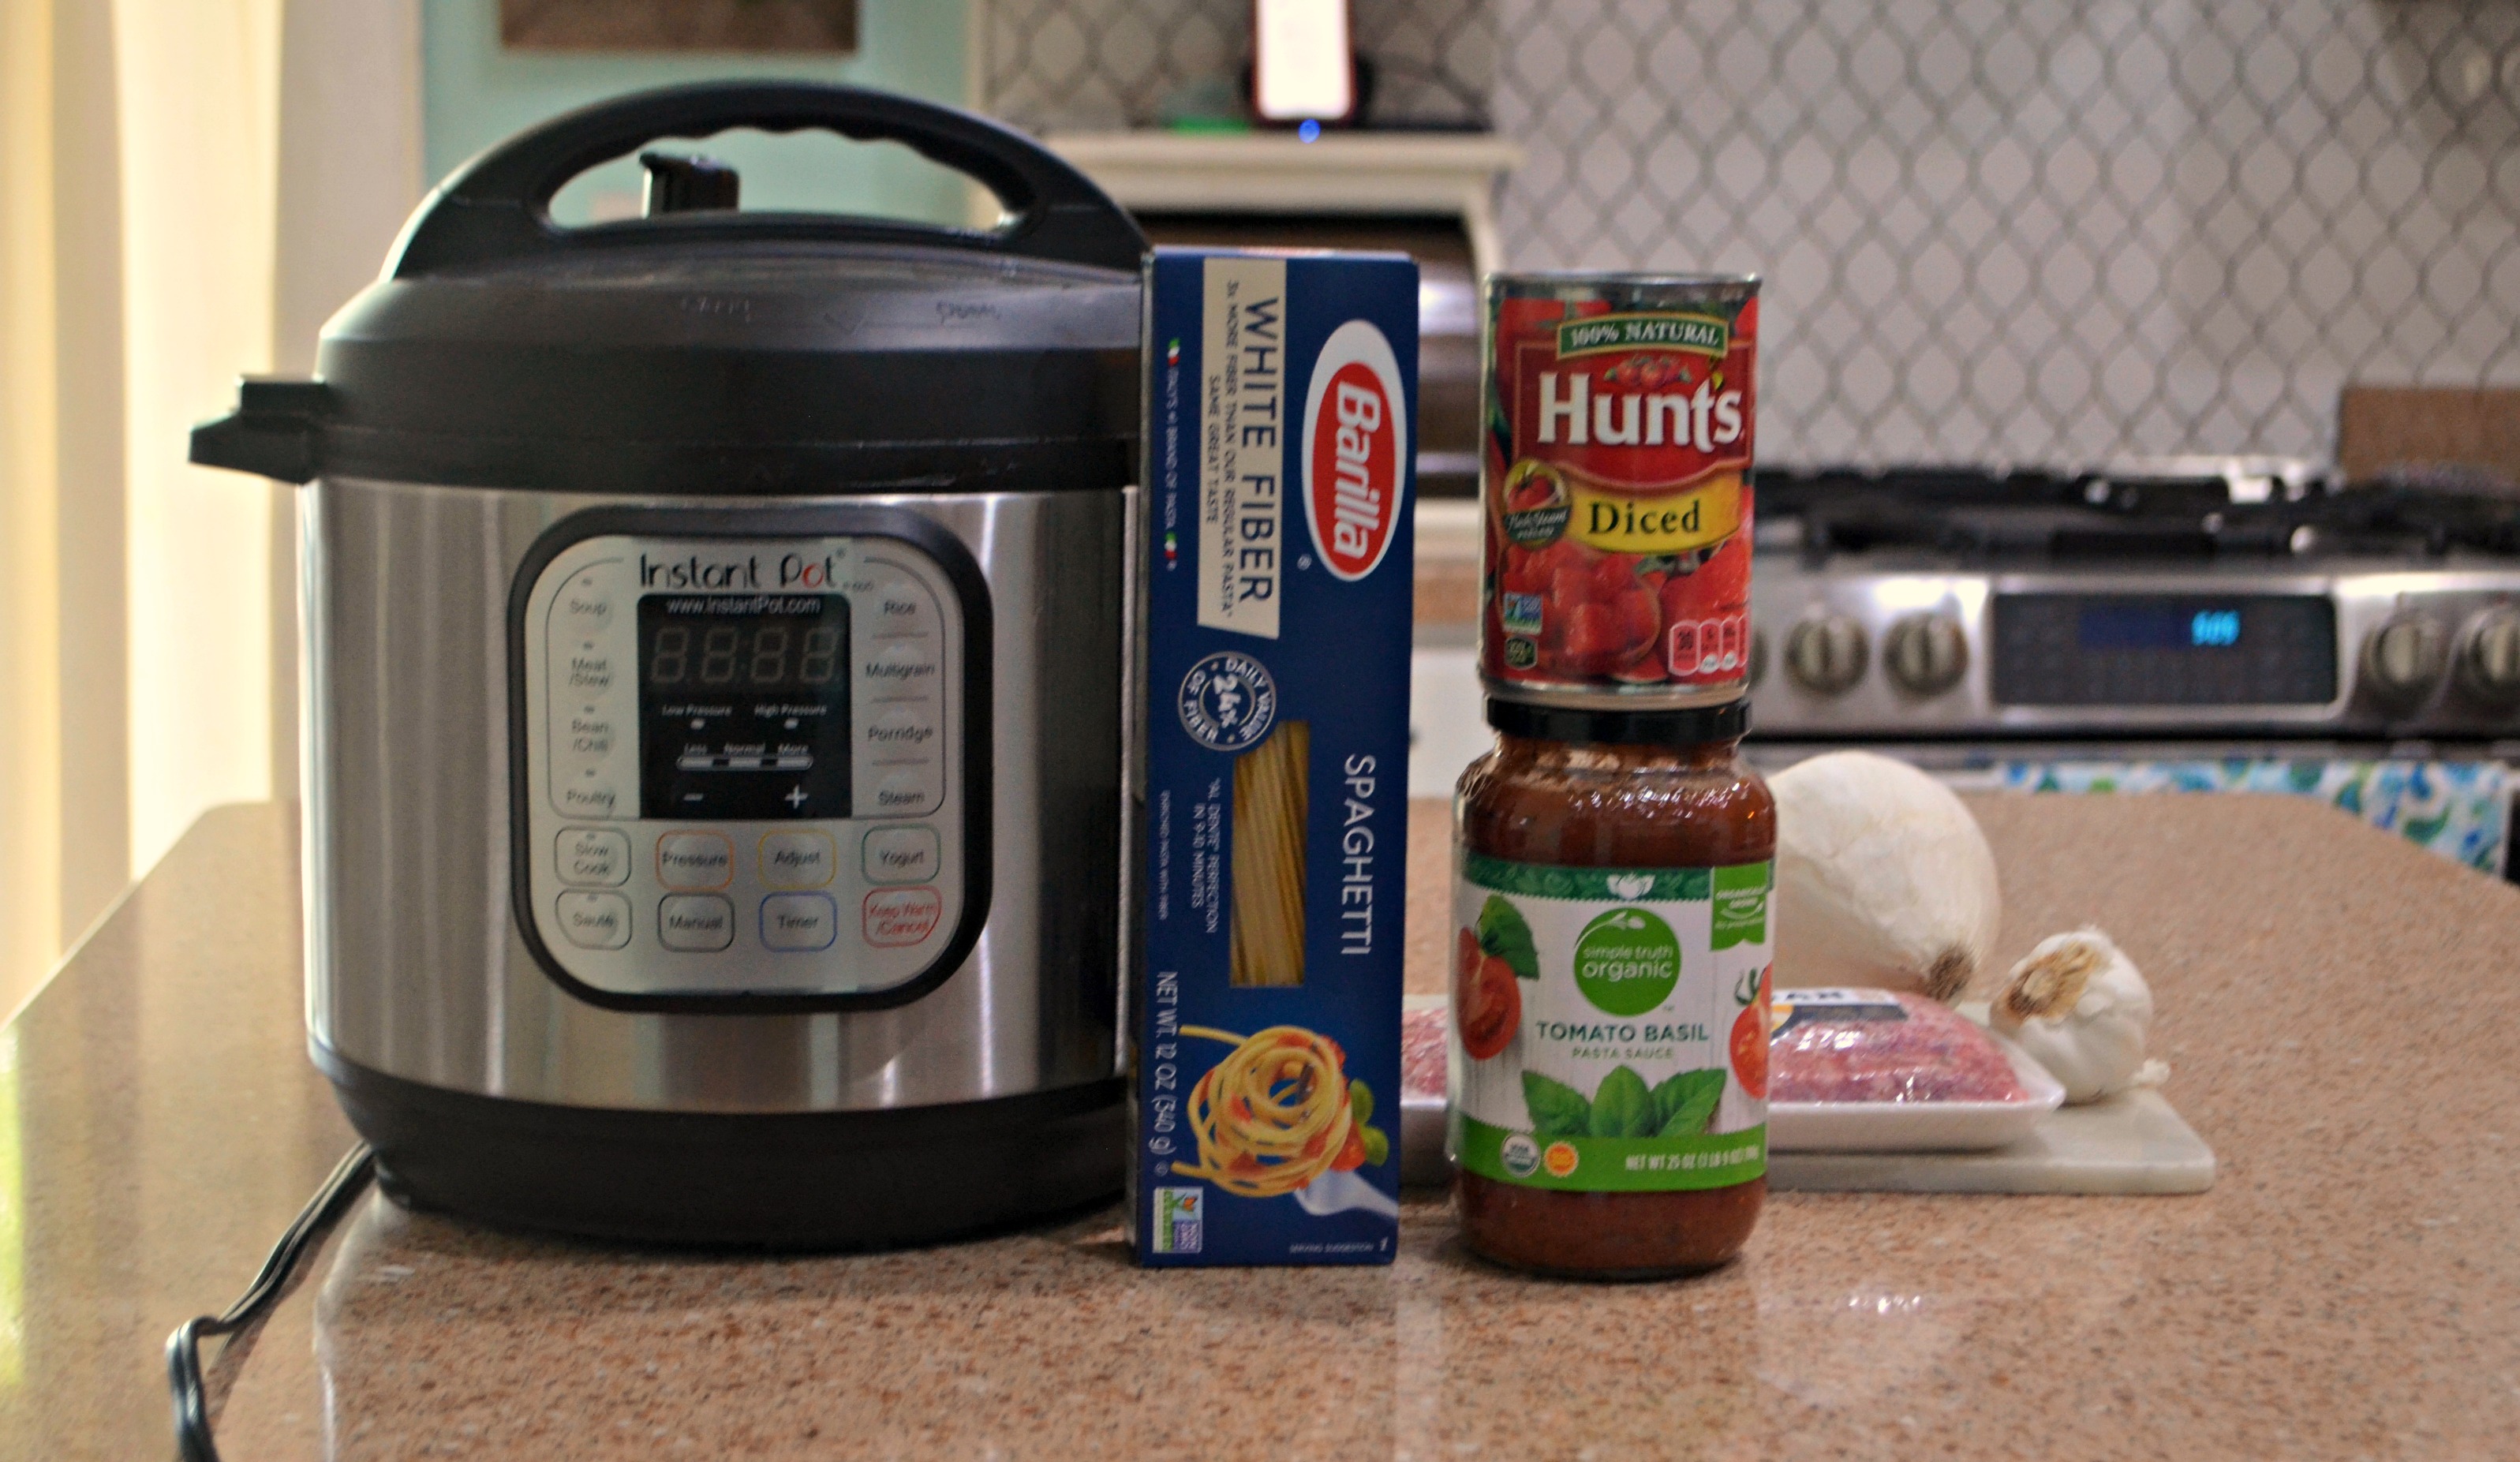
[(2079, 1006), (1883, 878)]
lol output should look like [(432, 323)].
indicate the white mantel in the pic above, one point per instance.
[(1447, 173)]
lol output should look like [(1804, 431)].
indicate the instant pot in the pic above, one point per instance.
[(716, 627)]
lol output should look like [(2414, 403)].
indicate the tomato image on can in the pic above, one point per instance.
[(1616, 478)]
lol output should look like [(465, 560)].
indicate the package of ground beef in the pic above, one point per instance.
[(1883, 1069)]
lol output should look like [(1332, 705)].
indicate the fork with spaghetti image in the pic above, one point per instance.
[(1278, 1115)]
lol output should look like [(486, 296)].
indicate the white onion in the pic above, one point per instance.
[(1883, 878)]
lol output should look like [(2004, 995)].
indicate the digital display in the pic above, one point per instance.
[(2159, 627), (2163, 650), (744, 706)]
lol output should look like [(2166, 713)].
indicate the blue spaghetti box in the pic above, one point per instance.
[(1281, 412)]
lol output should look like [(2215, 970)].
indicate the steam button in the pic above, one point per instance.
[(904, 792), (594, 921)]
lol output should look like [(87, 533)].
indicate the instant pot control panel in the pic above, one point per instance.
[(750, 766)]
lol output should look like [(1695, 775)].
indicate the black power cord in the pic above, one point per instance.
[(193, 1443)]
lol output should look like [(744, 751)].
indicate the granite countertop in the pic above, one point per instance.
[(2339, 1008)]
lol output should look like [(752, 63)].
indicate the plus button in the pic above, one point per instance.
[(796, 797)]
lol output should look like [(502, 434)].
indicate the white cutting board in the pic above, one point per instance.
[(2133, 1143)]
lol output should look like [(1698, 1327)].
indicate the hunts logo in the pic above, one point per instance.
[(1356, 445)]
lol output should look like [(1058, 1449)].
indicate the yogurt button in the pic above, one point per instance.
[(594, 921), (900, 856)]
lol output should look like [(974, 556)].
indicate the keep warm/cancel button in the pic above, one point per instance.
[(895, 917)]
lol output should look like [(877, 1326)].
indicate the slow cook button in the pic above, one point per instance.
[(900, 856), (595, 921), (594, 857), (695, 921), (695, 860), (895, 917), (799, 921), (902, 729), (902, 665), (905, 792), (797, 860), (588, 795)]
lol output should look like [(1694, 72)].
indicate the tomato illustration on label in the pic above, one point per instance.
[(1749, 1040)]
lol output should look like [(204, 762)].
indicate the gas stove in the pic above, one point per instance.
[(2194, 600)]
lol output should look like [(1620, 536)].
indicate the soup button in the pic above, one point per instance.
[(895, 917)]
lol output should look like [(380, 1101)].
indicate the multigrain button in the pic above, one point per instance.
[(902, 665), (797, 860), (896, 917), (594, 921), (904, 792), (695, 860), (798, 921), (695, 921), (594, 857), (900, 856)]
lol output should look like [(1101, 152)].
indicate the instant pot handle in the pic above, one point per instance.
[(498, 205)]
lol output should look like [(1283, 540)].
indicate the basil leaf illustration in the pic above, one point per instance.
[(1360, 1103), (1504, 933), (1377, 1146), (1685, 1104), (1623, 1108), (1558, 1109)]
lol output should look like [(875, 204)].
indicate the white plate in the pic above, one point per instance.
[(1917, 1126)]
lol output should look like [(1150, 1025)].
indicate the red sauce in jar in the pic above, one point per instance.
[(1656, 791)]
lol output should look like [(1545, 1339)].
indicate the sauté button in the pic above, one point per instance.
[(695, 921), (797, 860), (695, 860), (799, 921), (895, 917), (594, 857), (900, 856), (594, 921)]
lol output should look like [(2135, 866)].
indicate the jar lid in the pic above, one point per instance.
[(1687, 726), (705, 350)]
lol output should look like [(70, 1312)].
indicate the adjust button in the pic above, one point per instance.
[(595, 921), (900, 856), (797, 860), (799, 921), (695, 921), (898, 917), (594, 857), (695, 860)]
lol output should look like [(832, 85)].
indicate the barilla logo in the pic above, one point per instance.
[(1356, 443)]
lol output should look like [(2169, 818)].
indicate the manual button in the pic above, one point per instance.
[(695, 921), (594, 921), (798, 921)]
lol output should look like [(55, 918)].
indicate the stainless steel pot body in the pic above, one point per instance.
[(416, 963)]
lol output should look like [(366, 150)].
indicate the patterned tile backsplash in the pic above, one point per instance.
[(2052, 231)]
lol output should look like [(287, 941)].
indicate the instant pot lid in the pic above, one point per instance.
[(721, 352)]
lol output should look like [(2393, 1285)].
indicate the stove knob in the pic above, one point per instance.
[(2488, 662), (2403, 658), (1926, 654), (1826, 653)]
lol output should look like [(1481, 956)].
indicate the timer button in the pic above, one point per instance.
[(594, 921), (1826, 653), (2403, 658), (2488, 662), (1927, 655), (791, 921)]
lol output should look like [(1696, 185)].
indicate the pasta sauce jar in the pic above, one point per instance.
[(1610, 992), (1616, 479)]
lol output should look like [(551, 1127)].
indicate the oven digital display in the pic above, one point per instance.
[(744, 706), (2147, 650)]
